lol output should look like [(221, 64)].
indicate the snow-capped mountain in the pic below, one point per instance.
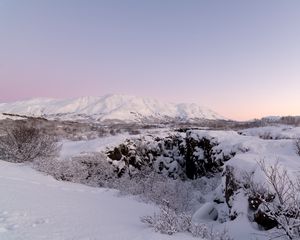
[(109, 107)]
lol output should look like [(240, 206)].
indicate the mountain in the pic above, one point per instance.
[(109, 107)]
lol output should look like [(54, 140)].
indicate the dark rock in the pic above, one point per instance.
[(228, 157), (254, 202), (257, 199), (190, 163), (161, 166), (132, 160), (231, 185), (115, 154), (124, 149), (233, 216), (264, 220), (218, 201)]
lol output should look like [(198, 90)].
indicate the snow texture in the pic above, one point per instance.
[(37, 207), (34, 206)]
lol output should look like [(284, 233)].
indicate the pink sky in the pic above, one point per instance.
[(240, 59)]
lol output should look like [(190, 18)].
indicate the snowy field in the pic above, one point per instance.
[(37, 207), (34, 206)]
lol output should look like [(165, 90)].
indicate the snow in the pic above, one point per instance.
[(252, 149), (109, 107), (249, 149), (207, 212), (37, 207), (274, 132), (73, 148), (34, 206)]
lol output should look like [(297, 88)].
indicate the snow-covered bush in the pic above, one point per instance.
[(208, 233), (96, 170), (23, 143), (154, 187), (266, 135), (285, 208), (276, 204), (167, 221), (90, 169)]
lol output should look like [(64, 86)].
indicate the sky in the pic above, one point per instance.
[(239, 58)]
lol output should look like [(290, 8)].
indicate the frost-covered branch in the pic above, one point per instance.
[(167, 221), (285, 208)]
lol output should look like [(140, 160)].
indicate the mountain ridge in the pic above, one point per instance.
[(109, 107)]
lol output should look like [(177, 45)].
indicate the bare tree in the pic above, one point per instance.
[(23, 143)]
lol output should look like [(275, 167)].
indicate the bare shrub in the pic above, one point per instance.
[(208, 233), (266, 135), (90, 169), (167, 221), (134, 131), (255, 190), (23, 143), (154, 187), (285, 208)]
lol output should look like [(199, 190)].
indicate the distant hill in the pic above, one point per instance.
[(109, 107)]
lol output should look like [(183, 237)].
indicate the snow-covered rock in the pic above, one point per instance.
[(207, 212)]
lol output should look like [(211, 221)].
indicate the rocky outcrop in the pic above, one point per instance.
[(254, 197), (176, 155), (202, 158), (166, 155)]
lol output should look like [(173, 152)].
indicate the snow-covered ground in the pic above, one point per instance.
[(37, 207), (251, 147), (73, 148), (273, 132), (34, 206)]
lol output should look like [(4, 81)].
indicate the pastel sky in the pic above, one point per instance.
[(239, 58)]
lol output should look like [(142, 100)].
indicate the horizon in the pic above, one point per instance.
[(129, 95), (239, 59)]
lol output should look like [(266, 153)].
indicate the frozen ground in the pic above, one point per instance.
[(72, 148), (34, 206), (37, 207)]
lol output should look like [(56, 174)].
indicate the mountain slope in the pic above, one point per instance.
[(118, 107)]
